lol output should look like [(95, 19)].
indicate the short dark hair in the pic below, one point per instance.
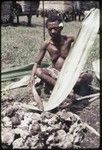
[(53, 18)]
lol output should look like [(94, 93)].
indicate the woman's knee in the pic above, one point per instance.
[(39, 72), (86, 78)]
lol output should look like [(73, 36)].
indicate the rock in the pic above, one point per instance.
[(36, 117), (3, 113), (7, 136), (28, 142), (53, 128), (65, 119), (7, 122), (50, 129), (15, 107), (11, 111), (65, 141), (28, 121), (60, 136), (21, 114), (18, 143), (72, 128), (78, 134), (58, 126), (44, 128), (45, 121), (32, 142), (46, 115), (65, 116), (50, 139), (68, 141), (28, 115), (15, 121), (53, 120), (34, 128), (23, 125), (21, 133)]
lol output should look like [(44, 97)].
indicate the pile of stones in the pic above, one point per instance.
[(36, 130)]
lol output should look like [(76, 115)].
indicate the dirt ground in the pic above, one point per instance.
[(90, 114)]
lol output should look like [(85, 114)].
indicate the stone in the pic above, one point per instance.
[(34, 141), (47, 115), (36, 117), (53, 120), (73, 127), (60, 136), (34, 128), (68, 141), (7, 122), (18, 143), (78, 134), (10, 111), (15, 121), (23, 125), (22, 133), (50, 139), (7, 136), (43, 128)]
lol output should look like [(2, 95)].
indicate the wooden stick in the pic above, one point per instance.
[(29, 107), (37, 98), (88, 96), (92, 129), (89, 127), (92, 99), (95, 88)]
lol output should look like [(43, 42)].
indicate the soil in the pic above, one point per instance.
[(90, 113)]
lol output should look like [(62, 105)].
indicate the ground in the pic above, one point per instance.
[(19, 45)]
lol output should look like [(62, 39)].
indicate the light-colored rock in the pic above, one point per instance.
[(10, 111), (50, 139), (43, 128), (23, 133), (53, 120), (36, 117), (23, 125), (7, 122), (78, 134), (34, 128), (60, 136), (68, 141), (73, 127), (15, 121), (7, 136), (34, 141), (18, 143)]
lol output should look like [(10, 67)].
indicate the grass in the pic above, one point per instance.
[(20, 44)]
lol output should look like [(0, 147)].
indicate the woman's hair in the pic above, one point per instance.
[(53, 18)]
